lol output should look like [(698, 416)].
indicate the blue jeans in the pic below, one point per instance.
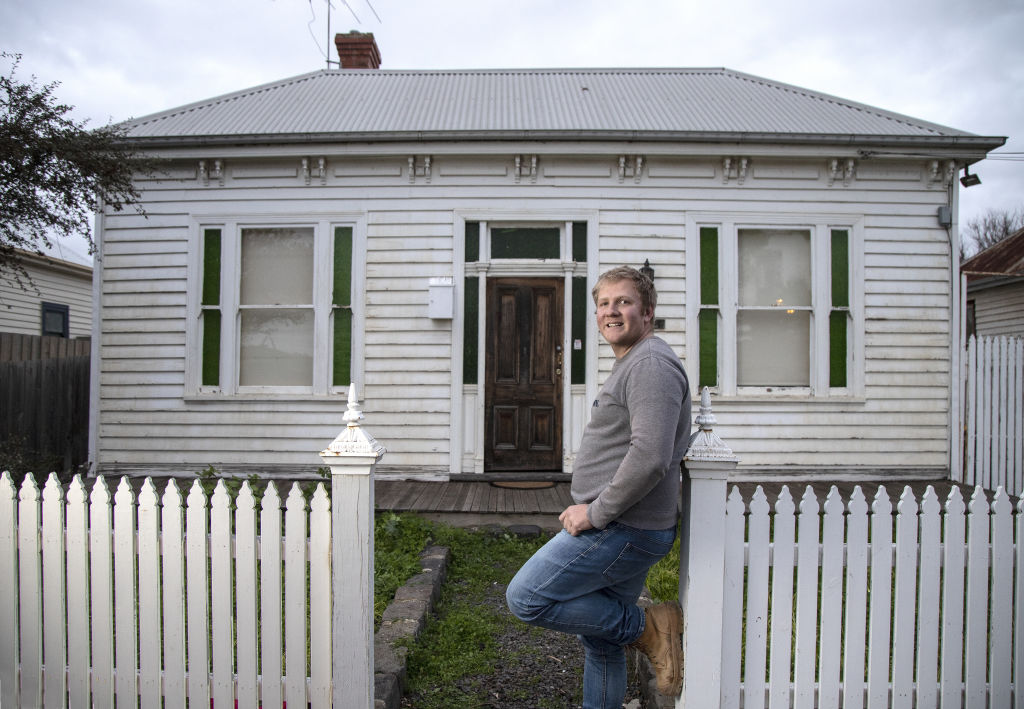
[(588, 585)]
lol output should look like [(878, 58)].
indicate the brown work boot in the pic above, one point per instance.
[(661, 641)]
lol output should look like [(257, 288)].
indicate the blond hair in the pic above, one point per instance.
[(644, 285)]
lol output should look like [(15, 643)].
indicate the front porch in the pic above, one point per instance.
[(539, 503)]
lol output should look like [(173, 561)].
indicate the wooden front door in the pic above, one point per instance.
[(523, 390)]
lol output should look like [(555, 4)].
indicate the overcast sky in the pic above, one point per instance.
[(957, 63)]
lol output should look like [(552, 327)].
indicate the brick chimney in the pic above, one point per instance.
[(357, 50)]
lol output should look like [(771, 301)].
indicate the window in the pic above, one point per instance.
[(773, 314), (275, 308), (55, 319), (775, 310), (526, 242)]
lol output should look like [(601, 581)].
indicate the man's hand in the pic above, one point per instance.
[(574, 519)]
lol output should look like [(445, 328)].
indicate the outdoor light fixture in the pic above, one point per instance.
[(969, 180), (647, 270)]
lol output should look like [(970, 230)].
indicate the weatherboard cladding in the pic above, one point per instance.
[(643, 102), (148, 416)]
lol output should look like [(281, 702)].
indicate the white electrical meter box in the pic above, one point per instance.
[(441, 305)]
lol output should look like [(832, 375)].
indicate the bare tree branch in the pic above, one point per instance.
[(989, 229), (54, 171)]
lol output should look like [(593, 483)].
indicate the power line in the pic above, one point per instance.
[(374, 12), (309, 27), (345, 3)]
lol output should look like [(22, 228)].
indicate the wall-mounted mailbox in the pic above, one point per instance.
[(441, 305)]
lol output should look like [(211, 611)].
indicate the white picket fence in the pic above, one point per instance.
[(994, 414), (209, 600), (108, 598), (847, 603), (843, 604)]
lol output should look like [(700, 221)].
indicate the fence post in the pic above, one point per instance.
[(351, 458), (702, 561)]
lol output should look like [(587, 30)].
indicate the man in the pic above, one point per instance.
[(586, 580)]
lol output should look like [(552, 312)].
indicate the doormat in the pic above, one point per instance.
[(523, 485)]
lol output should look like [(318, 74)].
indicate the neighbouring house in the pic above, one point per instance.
[(995, 288), (57, 302), (432, 236), (45, 329)]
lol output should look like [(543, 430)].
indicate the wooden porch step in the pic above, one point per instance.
[(470, 497)]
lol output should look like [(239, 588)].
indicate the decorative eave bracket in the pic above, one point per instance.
[(939, 174), (526, 166), (846, 170), (735, 168), (631, 166), (420, 166), (217, 173), (320, 171)]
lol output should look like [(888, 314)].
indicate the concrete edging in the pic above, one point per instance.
[(403, 621)]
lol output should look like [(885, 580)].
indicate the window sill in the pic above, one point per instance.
[(202, 397), (769, 398)]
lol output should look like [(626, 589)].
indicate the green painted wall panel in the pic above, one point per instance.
[(471, 310), (211, 267), (709, 265), (707, 326), (211, 347), (580, 313)]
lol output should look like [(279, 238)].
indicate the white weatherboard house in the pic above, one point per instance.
[(433, 237), (57, 303)]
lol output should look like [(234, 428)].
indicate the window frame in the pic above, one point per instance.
[(231, 228), (47, 307), (821, 226)]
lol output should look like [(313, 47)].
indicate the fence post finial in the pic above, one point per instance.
[(354, 414), (706, 444), (353, 440)]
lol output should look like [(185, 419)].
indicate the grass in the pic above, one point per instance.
[(398, 541), (663, 579), (459, 643)]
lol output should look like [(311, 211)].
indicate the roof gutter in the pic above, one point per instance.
[(973, 146), (982, 281), (57, 264)]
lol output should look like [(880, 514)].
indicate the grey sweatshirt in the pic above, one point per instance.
[(627, 468)]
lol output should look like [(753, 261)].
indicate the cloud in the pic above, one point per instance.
[(953, 63)]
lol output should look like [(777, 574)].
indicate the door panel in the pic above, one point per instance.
[(523, 384)]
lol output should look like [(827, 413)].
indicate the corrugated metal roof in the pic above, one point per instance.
[(523, 103), (1005, 258)]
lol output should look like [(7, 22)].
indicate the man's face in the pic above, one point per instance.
[(621, 318)]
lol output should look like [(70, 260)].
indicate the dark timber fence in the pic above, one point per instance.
[(16, 348), (44, 402)]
